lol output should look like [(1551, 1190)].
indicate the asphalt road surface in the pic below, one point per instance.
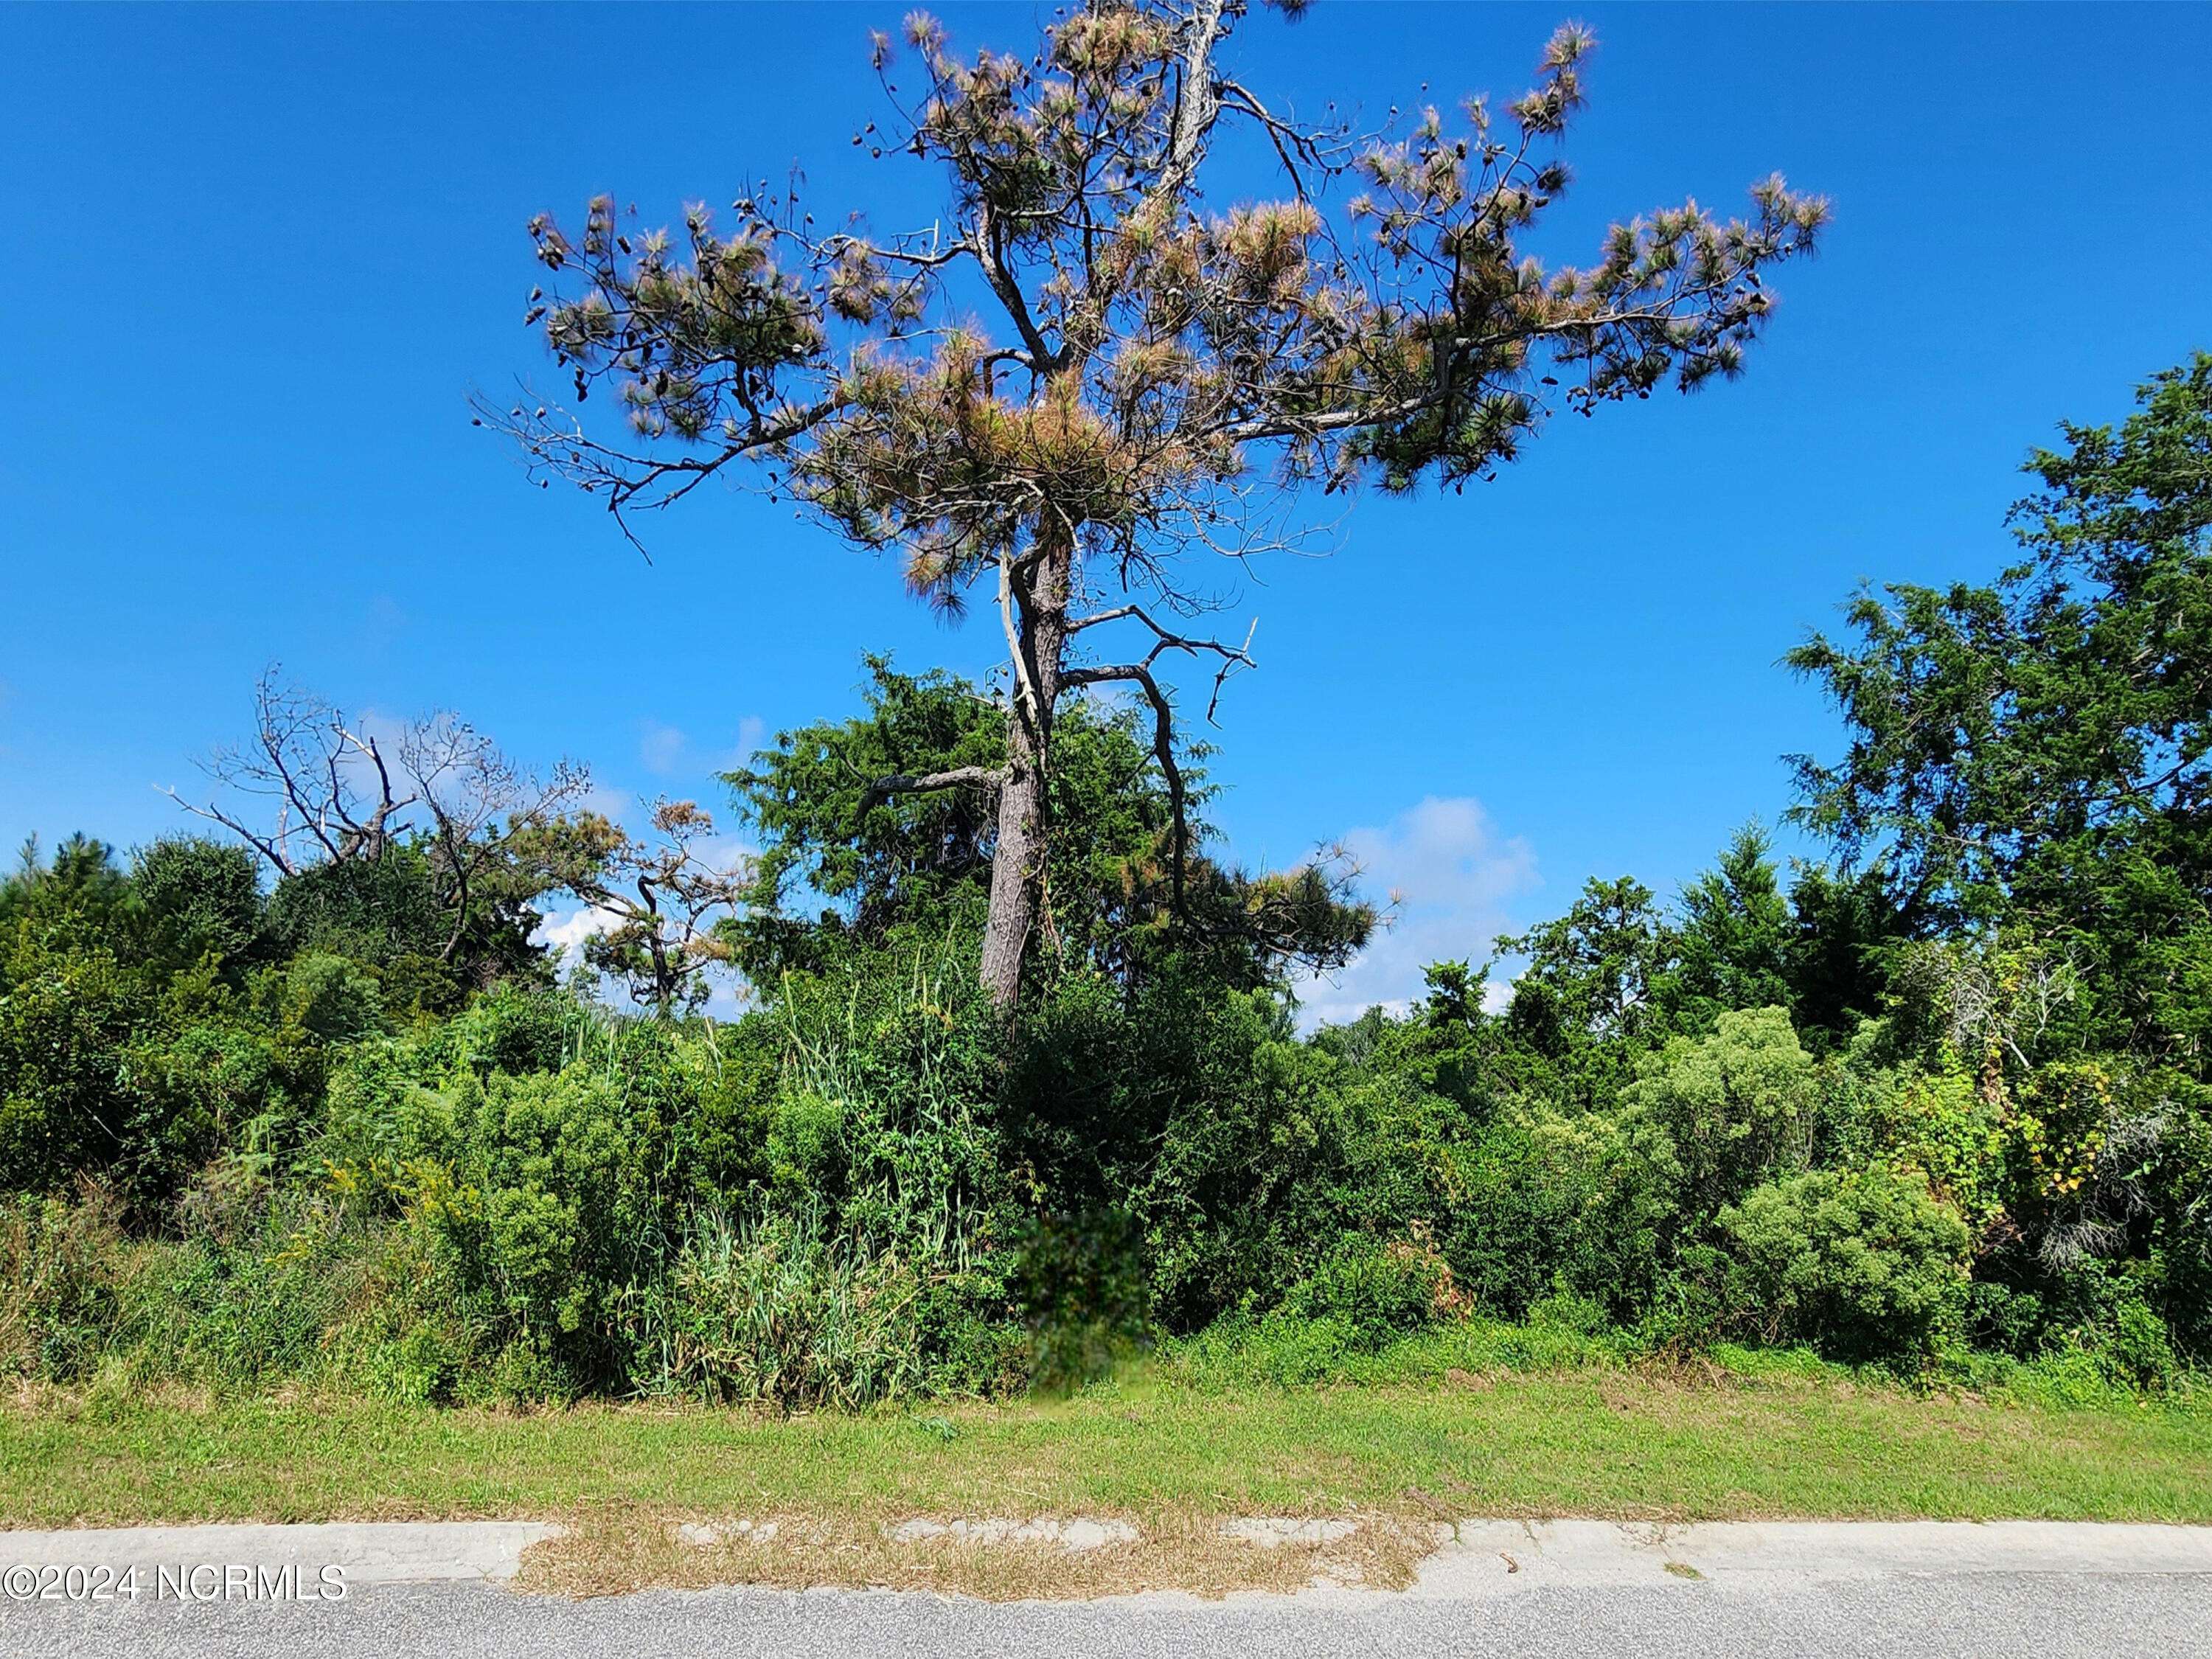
[(1972, 1616), (1567, 1589)]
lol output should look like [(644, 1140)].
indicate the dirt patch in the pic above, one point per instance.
[(612, 1554)]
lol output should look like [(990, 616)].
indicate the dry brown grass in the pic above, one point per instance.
[(613, 1553)]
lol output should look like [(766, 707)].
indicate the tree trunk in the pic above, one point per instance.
[(1018, 854), (1024, 839)]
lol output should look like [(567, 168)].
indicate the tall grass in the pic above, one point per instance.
[(778, 1311)]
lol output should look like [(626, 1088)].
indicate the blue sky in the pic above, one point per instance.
[(262, 254)]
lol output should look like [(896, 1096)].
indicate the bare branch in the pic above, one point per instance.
[(975, 777), (343, 795), (270, 847), (1141, 673), (1232, 657)]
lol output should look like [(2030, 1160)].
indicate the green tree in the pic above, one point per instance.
[(1154, 377), (849, 870), (1586, 999), (1843, 927), (141, 1031), (67, 1018), (2039, 751), (79, 896), (69, 1007), (381, 911), (197, 897), (1734, 938)]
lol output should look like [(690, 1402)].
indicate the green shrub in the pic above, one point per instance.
[(197, 897), (212, 1087), (1552, 1202), (2005, 1319), (1268, 1149), (1942, 1122), (1081, 1290), (331, 998), (381, 1106), (517, 1029), (1377, 1290), (1364, 1299), (1563, 1311), (549, 1191), (2139, 1353), (373, 910), (1236, 1202), (1865, 1265), (2179, 1198), (67, 1020), (1283, 1349), (1290, 1349), (1723, 1113), (260, 1290)]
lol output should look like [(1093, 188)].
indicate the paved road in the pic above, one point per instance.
[(1576, 1590), (2105, 1616)]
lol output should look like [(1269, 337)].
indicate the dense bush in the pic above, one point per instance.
[(1555, 1202), (1868, 1264), (1717, 1115), (870, 1190), (1376, 1292), (1945, 1105)]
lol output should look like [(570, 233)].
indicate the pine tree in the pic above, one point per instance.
[(1156, 379)]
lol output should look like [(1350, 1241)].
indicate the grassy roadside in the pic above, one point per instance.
[(1607, 1442), (1624, 1444)]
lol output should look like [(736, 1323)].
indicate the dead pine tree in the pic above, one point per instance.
[(1081, 382), (315, 785)]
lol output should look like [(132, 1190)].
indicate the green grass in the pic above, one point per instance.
[(1599, 1441)]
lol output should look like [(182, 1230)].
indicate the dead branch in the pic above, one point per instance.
[(975, 777)]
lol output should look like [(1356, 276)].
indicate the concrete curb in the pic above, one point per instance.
[(1473, 1560), (1483, 1557), (371, 1553)]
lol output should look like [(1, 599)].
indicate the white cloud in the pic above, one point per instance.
[(609, 803), (1453, 879), (660, 748), (752, 731), (665, 751), (563, 933)]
